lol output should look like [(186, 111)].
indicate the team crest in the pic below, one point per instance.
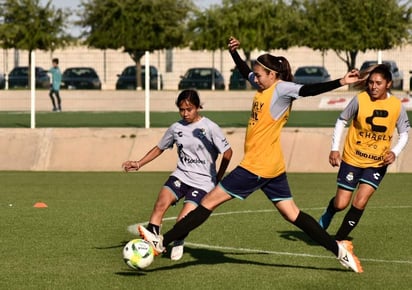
[(349, 177)]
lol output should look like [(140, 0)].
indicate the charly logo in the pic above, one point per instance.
[(349, 177), (376, 175), (195, 193)]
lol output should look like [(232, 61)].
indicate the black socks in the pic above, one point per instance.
[(350, 221), (181, 229), (309, 225)]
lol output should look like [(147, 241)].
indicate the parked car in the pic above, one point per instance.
[(237, 81), (81, 78), (2, 81), (19, 77), (127, 79), (311, 74), (201, 78), (397, 75)]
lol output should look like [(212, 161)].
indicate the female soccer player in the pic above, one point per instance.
[(199, 141), (263, 166), (367, 152)]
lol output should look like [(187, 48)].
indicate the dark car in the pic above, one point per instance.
[(201, 78), (19, 77), (2, 81), (127, 79), (311, 74), (397, 75), (81, 78), (237, 81)]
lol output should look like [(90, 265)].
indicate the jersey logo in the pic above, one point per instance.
[(377, 114)]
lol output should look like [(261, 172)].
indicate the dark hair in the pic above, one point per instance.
[(56, 60), (191, 96), (278, 64), (382, 69)]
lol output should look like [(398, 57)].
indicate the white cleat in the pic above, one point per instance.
[(347, 258), (177, 252), (156, 241)]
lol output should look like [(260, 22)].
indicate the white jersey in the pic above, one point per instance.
[(198, 146)]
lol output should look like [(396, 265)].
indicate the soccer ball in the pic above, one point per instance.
[(138, 254)]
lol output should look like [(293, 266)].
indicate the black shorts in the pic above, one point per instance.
[(350, 176), (240, 183), (180, 190)]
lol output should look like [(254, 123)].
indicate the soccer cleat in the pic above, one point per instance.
[(156, 241), (325, 220), (177, 251), (347, 258)]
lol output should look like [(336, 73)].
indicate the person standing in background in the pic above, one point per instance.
[(56, 79)]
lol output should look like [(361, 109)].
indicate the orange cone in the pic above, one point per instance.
[(40, 205)]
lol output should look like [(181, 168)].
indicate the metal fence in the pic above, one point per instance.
[(174, 63)]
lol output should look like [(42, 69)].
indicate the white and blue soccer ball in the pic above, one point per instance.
[(138, 254)]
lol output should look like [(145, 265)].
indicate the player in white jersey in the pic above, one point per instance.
[(199, 141)]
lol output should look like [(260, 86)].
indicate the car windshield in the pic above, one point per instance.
[(80, 73), (309, 71), (199, 74)]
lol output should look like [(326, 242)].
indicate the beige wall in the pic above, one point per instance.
[(57, 149)]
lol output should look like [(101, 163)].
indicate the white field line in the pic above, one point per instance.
[(133, 230)]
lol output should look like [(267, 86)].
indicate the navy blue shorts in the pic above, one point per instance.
[(180, 190), (241, 183), (350, 176)]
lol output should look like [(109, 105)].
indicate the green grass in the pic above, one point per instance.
[(76, 242), (157, 119)]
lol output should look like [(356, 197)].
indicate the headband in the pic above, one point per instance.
[(265, 67)]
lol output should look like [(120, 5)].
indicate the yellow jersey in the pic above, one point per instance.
[(263, 152), (371, 131)]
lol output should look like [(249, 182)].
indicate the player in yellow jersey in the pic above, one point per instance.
[(263, 166), (375, 113)]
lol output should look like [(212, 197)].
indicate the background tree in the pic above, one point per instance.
[(258, 24), (135, 26), (27, 25), (348, 27)]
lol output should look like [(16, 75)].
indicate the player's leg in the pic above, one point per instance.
[(278, 191), (347, 181), (169, 194), (369, 182), (354, 214), (339, 202)]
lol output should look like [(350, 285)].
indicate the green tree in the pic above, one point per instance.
[(351, 26), (27, 25), (135, 26), (258, 24)]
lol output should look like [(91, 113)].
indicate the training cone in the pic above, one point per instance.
[(40, 205)]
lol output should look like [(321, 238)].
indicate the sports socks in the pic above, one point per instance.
[(309, 225), (182, 228), (350, 221), (153, 228)]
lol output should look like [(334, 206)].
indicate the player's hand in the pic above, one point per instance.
[(131, 166), (334, 158), (389, 158), (233, 44), (351, 77)]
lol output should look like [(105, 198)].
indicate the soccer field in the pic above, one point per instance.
[(77, 241)]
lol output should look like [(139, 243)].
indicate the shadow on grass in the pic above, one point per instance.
[(204, 256), (302, 236)]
